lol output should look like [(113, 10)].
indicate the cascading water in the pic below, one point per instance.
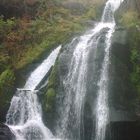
[(70, 123), (39, 73), (102, 109), (25, 115), (75, 87)]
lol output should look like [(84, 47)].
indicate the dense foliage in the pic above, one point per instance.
[(24, 39)]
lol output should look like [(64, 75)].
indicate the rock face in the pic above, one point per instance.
[(7, 83), (125, 130), (130, 4), (5, 133), (122, 95)]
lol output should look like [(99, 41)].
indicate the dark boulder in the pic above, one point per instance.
[(123, 130), (5, 133)]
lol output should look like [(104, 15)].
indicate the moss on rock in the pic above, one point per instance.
[(129, 19), (134, 41), (7, 80), (53, 79), (50, 94), (50, 98)]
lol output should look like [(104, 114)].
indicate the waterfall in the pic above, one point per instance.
[(75, 86), (70, 123), (89, 58), (38, 74), (102, 109), (24, 116)]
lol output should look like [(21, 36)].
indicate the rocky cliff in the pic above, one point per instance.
[(130, 5), (19, 7), (128, 17)]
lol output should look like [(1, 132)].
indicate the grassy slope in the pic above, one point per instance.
[(30, 38)]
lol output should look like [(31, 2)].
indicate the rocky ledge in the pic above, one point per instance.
[(123, 130), (5, 133)]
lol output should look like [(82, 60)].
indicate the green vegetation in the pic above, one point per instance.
[(130, 19), (51, 89), (7, 80), (53, 79), (6, 27), (50, 36), (50, 98), (34, 30), (24, 40), (135, 57)]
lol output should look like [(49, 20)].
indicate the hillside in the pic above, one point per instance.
[(30, 29)]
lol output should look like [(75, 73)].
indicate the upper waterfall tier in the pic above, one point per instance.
[(38, 74), (110, 7)]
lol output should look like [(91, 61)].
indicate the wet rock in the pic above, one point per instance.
[(129, 5), (121, 93), (120, 36), (124, 130), (5, 133)]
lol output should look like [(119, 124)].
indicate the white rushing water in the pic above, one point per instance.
[(39, 73), (102, 109), (76, 79), (75, 86), (25, 114)]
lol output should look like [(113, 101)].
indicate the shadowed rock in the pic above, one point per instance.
[(5, 133), (124, 130)]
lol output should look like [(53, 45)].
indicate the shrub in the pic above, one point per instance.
[(6, 27), (7, 79)]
